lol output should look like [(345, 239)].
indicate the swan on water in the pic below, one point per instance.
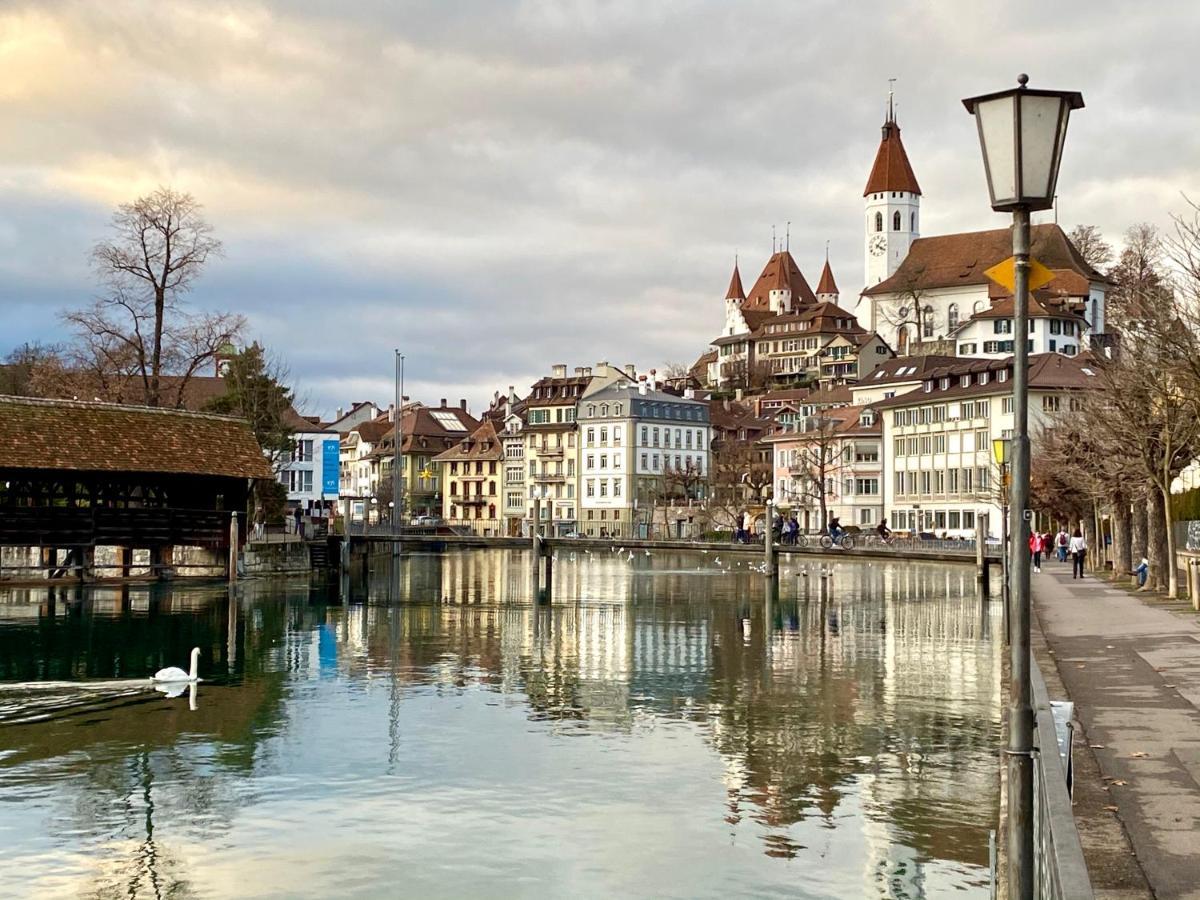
[(174, 673)]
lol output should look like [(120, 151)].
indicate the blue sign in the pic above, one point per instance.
[(329, 468)]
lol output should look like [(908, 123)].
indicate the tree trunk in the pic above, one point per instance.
[(1156, 540), (1169, 534), (1122, 559), (1137, 529), (1089, 535)]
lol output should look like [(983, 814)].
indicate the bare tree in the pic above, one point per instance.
[(739, 477), (817, 461), (138, 328), (1090, 243)]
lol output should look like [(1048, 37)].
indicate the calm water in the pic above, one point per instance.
[(660, 730)]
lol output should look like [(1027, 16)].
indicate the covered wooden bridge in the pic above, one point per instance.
[(77, 476)]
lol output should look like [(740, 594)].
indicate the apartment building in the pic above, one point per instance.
[(939, 473), (472, 476)]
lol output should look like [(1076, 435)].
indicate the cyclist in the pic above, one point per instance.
[(885, 533), (835, 529)]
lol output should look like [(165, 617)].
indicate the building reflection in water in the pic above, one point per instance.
[(858, 696)]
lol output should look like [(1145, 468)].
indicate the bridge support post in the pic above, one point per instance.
[(771, 569), (233, 547), (535, 551), (982, 572)]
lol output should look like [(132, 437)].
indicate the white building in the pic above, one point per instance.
[(639, 448), (313, 474), (920, 292), (938, 470)]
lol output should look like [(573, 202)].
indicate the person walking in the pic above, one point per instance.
[(1078, 550), (1061, 543), (1035, 550), (298, 516)]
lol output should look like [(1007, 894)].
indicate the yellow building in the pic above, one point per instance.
[(471, 478)]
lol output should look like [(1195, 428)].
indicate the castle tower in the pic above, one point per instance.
[(893, 205), (735, 296), (827, 289)]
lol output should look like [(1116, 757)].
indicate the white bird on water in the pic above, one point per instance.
[(176, 674)]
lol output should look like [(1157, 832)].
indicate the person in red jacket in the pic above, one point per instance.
[(1035, 548)]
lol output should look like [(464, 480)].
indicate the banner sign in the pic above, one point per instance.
[(329, 468)]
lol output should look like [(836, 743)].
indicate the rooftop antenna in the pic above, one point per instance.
[(891, 113), (787, 240), (1056, 209), (827, 251), (774, 243)]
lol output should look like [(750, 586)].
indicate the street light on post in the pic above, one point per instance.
[(1021, 132), (1001, 453)]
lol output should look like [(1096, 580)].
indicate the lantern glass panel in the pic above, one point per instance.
[(996, 128), (1039, 145)]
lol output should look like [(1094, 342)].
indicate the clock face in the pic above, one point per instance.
[(878, 245)]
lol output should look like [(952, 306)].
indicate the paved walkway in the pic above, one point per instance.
[(1133, 671)]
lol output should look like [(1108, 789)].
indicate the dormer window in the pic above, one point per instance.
[(929, 387), (965, 381), (945, 384), (983, 377), (1002, 375)]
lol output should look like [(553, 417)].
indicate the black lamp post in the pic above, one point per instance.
[(1021, 132)]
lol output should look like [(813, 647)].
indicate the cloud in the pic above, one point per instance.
[(498, 186)]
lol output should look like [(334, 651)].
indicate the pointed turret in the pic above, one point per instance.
[(827, 289), (893, 205), (735, 291)]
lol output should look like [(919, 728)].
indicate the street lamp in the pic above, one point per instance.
[(1000, 452), (1021, 132)]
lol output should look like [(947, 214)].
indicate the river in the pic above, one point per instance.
[(661, 729)]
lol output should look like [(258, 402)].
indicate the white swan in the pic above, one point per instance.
[(176, 674)]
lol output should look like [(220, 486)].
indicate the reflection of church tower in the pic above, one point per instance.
[(893, 205)]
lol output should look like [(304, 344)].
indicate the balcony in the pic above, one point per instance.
[(547, 478), (473, 477), (550, 452), (470, 499)]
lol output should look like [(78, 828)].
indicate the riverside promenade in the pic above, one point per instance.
[(1131, 664)]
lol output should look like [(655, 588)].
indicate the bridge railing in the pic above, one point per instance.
[(1059, 872)]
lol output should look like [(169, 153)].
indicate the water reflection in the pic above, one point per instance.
[(677, 729)]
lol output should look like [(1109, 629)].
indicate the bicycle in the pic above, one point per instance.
[(843, 540)]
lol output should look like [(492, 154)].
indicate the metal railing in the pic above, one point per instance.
[(1060, 872)]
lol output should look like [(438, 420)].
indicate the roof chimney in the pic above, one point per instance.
[(443, 403), (587, 371), (340, 413), (689, 394), (391, 412), (512, 396), (579, 371), (737, 395), (559, 370), (642, 385), (602, 369), (462, 404), (630, 370)]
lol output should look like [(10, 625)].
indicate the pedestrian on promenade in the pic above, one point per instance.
[(298, 517), (1035, 550), (1061, 543), (794, 527), (258, 523), (1142, 572), (1078, 550)]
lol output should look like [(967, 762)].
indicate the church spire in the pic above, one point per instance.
[(892, 170)]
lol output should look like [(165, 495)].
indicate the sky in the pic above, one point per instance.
[(495, 187)]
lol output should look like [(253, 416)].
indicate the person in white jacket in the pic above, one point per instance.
[(1078, 550)]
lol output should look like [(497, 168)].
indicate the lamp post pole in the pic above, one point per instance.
[(1020, 719)]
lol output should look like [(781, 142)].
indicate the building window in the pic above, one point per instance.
[(879, 221), (912, 222), (896, 220), (952, 316), (617, 487)]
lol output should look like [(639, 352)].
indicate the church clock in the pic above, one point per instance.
[(878, 245)]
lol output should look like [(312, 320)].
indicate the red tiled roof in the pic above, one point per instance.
[(892, 171), (107, 437), (780, 273), (954, 259), (827, 285)]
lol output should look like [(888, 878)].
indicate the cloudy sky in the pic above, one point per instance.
[(498, 186)]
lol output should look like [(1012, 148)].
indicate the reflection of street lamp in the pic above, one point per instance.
[(1021, 132)]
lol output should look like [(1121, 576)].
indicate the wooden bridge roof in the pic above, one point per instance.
[(107, 437)]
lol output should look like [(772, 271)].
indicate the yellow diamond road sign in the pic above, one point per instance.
[(1005, 274)]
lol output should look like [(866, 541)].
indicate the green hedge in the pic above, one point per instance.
[(1186, 506)]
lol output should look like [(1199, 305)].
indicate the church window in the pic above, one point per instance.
[(879, 221), (927, 322), (896, 220), (912, 222), (952, 316), (901, 340)]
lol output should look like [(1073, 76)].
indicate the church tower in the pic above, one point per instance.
[(893, 205)]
